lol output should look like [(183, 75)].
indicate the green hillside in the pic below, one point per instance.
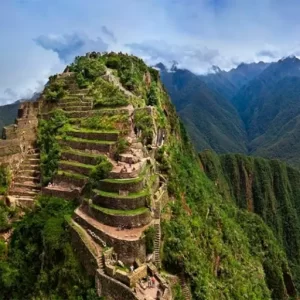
[(268, 188), (211, 121)]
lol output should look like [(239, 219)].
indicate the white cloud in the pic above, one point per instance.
[(196, 33)]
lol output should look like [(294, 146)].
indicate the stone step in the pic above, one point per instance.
[(34, 155), (31, 173), (24, 202), (94, 135), (23, 192), (133, 185), (27, 185), (120, 202), (83, 144), (33, 161), (124, 218), (28, 166), (80, 156), (75, 167), (22, 178)]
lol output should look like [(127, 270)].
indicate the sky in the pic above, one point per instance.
[(40, 37)]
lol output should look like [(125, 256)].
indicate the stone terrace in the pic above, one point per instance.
[(119, 210)]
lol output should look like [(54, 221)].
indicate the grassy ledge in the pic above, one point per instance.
[(116, 195), (115, 212)]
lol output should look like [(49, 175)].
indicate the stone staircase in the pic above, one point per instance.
[(157, 243), (26, 183), (185, 288)]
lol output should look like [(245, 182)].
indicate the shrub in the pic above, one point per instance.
[(101, 170), (5, 178), (55, 90), (121, 147), (143, 121), (50, 149), (107, 94), (152, 96), (149, 239)]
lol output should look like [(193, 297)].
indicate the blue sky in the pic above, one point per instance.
[(39, 37)]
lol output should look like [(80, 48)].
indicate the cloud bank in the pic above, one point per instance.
[(39, 37)]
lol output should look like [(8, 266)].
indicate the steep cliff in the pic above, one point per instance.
[(110, 141), (269, 188)]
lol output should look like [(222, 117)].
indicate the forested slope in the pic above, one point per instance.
[(268, 188)]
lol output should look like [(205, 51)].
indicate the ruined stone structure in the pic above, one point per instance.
[(18, 152), (108, 228)]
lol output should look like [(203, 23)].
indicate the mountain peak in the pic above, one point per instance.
[(161, 67)]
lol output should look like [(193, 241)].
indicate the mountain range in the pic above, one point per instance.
[(252, 109)]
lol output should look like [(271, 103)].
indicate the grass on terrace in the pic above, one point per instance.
[(71, 174), (123, 181), (76, 164), (116, 212), (116, 195), (79, 140)]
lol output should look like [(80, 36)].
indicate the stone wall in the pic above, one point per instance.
[(112, 289), (94, 135), (75, 168), (19, 137), (128, 251), (104, 148), (121, 203), (89, 160), (60, 179), (132, 221), (82, 250), (115, 187), (71, 195)]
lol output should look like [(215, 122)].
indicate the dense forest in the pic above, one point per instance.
[(268, 188)]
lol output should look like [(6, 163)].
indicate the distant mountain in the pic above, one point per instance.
[(8, 113), (266, 98), (228, 83), (211, 120)]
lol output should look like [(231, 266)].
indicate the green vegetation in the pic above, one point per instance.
[(5, 215), (106, 94), (5, 179), (100, 171), (87, 70), (267, 187), (102, 121), (48, 144), (41, 263), (56, 89), (152, 96), (121, 146), (72, 175), (75, 139), (123, 181), (149, 237), (116, 212), (144, 122), (116, 195)]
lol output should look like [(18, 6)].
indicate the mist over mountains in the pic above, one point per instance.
[(252, 109)]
